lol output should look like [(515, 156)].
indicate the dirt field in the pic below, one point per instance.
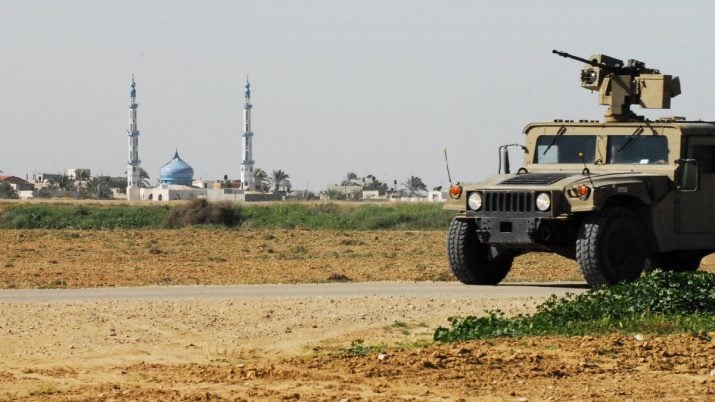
[(368, 348), (51, 258)]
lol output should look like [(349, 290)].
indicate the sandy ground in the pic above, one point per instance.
[(307, 348)]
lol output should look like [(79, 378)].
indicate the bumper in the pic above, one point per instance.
[(497, 230)]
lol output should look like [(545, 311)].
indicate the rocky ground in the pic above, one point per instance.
[(312, 348)]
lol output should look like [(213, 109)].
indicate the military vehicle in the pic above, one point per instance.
[(619, 196)]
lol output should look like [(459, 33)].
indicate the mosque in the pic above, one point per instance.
[(176, 177)]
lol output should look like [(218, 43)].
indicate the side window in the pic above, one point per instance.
[(705, 155)]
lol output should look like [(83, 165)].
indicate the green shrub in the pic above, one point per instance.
[(660, 302)]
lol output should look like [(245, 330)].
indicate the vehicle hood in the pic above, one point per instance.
[(558, 180)]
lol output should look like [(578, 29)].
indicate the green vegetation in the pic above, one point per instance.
[(659, 302), (329, 216), (64, 216), (7, 192), (334, 216)]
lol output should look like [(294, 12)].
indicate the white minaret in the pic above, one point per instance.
[(247, 162), (133, 162)]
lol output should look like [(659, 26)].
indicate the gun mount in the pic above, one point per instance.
[(620, 86)]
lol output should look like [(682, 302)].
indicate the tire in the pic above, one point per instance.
[(611, 247), (470, 260), (677, 261)]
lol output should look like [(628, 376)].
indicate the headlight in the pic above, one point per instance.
[(543, 202), (475, 201)]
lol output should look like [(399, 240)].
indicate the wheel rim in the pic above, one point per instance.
[(624, 252), (621, 248)]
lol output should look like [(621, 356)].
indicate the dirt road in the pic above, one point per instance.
[(351, 342), (80, 347), (362, 343), (306, 290)]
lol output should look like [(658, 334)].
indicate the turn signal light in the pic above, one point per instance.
[(583, 191), (455, 191)]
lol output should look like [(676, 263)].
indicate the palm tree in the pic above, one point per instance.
[(279, 179), (260, 180), (414, 185), (98, 188), (144, 178)]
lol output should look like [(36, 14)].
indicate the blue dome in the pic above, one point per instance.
[(177, 172)]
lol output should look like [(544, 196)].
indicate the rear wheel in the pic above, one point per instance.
[(471, 261), (611, 247)]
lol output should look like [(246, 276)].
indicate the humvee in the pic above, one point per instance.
[(619, 196)]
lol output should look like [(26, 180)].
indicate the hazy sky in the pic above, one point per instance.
[(372, 87)]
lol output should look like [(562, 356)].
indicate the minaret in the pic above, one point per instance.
[(133, 162), (247, 163)]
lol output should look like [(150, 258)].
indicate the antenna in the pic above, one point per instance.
[(586, 171), (446, 162)]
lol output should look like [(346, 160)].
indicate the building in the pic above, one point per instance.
[(247, 143), (23, 187), (133, 163), (176, 177), (79, 174)]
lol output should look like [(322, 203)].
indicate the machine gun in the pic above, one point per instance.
[(620, 86)]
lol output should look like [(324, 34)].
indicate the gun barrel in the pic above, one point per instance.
[(581, 59)]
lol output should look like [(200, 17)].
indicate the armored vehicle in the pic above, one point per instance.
[(619, 196)]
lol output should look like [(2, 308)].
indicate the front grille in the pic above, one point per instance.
[(508, 201), (536, 178)]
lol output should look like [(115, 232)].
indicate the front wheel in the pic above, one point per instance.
[(611, 247), (471, 261)]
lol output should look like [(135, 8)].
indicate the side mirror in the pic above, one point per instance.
[(505, 160), (688, 175)]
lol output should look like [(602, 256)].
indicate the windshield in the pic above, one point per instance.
[(565, 149), (638, 149)]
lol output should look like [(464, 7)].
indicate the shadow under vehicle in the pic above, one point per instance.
[(619, 196)]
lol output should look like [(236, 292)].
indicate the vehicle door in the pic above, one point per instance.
[(695, 212)]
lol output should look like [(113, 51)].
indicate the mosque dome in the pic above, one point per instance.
[(176, 171)]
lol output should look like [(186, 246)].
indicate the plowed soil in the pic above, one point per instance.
[(78, 259), (313, 349)]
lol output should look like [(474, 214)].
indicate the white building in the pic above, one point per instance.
[(133, 162), (247, 143)]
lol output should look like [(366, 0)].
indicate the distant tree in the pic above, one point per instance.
[(349, 179), (7, 192), (66, 183), (279, 179), (42, 193), (261, 180), (333, 194), (372, 184), (414, 185), (98, 188), (144, 178)]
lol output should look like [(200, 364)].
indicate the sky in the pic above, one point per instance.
[(370, 87)]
